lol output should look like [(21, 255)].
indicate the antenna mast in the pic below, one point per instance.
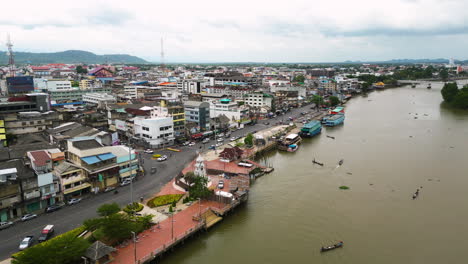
[(11, 59)]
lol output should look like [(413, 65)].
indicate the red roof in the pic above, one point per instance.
[(38, 68), (167, 83), (130, 68), (40, 157)]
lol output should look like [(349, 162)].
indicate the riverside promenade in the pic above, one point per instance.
[(153, 242)]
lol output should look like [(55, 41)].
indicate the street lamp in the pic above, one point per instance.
[(134, 246), (172, 226), (199, 207), (85, 260)]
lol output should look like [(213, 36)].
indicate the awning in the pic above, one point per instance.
[(106, 156), (77, 188), (91, 160)]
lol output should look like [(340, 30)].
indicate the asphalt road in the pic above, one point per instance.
[(70, 217)]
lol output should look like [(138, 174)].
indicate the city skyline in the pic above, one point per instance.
[(206, 31)]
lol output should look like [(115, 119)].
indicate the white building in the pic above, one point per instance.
[(52, 85), (258, 100), (229, 109), (157, 131), (99, 99)]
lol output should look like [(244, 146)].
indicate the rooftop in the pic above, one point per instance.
[(86, 144)]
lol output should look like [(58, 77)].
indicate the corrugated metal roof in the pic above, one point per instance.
[(91, 160), (106, 156)]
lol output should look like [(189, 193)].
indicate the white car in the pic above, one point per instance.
[(206, 140), (26, 242), (220, 139), (125, 182), (149, 151), (192, 144), (162, 158), (74, 201), (4, 225), (233, 138), (219, 144), (27, 217)]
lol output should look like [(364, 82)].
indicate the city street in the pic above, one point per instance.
[(70, 217)]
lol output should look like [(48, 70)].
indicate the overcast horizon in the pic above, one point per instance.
[(246, 31)]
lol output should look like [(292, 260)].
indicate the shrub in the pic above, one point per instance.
[(133, 208), (171, 209), (164, 200), (344, 187)]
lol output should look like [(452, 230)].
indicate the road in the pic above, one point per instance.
[(70, 217)]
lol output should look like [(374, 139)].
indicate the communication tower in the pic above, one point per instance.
[(163, 65), (11, 59)]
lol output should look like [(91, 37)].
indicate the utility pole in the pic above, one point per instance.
[(134, 246), (172, 226), (130, 169)]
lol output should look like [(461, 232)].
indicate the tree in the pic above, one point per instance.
[(80, 69), (334, 100), (108, 209), (444, 74), (199, 188), (449, 92), (190, 177), (461, 99), (117, 227), (317, 99), (249, 140), (65, 249), (75, 83), (299, 78)]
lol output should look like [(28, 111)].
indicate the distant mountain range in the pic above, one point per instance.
[(70, 56)]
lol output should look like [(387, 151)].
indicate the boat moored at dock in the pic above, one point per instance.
[(335, 120), (311, 129), (291, 139), (293, 148)]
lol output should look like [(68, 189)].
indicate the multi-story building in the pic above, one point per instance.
[(259, 99), (10, 189), (102, 166), (42, 164), (28, 102), (198, 113), (52, 84), (231, 91), (175, 109), (99, 99), (30, 122), (89, 84), (235, 113), (157, 132)]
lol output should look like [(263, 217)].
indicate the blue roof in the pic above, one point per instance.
[(106, 156), (71, 103), (90, 160)]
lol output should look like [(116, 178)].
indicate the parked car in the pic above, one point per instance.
[(26, 242), (219, 144), (191, 144), (186, 143), (53, 208), (149, 151), (212, 147), (27, 217), (74, 201), (4, 225), (220, 135), (267, 123), (221, 184), (162, 158), (220, 139), (46, 233), (109, 189), (233, 138), (125, 182), (206, 140)]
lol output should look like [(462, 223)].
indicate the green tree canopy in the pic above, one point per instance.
[(190, 177), (444, 74), (108, 209), (449, 92), (249, 140), (199, 189), (461, 99), (117, 227), (65, 249), (80, 69), (334, 100), (317, 99), (299, 78)]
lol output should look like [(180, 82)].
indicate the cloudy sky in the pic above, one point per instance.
[(242, 30)]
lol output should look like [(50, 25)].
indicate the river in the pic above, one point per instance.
[(387, 154)]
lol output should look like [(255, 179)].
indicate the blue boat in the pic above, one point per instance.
[(293, 148), (311, 129), (335, 120)]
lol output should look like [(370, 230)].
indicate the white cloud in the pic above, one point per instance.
[(208, 30)]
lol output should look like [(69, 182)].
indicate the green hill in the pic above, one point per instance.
[(70, 56)]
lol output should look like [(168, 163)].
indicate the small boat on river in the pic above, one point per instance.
[(429, 86), (293, 147), (337, 245), (340, 162)]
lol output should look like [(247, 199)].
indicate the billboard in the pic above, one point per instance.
[(20, 84)]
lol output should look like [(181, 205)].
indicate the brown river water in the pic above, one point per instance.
[(387, 154)]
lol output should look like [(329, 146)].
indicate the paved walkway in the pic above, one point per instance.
[(156, 238)]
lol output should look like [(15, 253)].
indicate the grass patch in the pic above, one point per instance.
[(164, 200), (133, 208), (344, 187)]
